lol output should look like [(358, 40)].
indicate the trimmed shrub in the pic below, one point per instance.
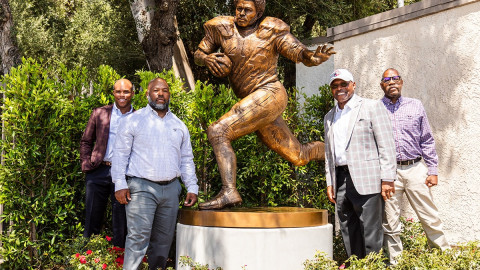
[(45, 111)]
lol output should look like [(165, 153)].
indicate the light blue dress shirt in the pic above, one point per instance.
[(155, 148), (114, 120)]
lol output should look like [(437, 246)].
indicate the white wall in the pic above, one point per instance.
[(309, 79), (438, 57)]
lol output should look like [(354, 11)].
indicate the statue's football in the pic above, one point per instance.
[(227, 67)]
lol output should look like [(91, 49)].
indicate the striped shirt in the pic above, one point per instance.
[(412, 133), (114, 121), (155, 148)]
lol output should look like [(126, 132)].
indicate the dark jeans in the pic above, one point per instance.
[(99, 187), (360, 217)]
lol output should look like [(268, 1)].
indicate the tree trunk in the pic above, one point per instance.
[(158, 33), (8, 52), (162, 36), (10, 57), (307, 26)]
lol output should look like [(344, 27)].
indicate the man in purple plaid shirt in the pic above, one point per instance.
[(417, 163)]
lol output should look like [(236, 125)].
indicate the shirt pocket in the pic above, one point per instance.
[(175, 137), (410, 124), (363, 126)]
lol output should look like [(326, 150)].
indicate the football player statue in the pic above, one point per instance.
[(249, 46)]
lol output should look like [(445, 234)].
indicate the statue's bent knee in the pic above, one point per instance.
[(218, 133)]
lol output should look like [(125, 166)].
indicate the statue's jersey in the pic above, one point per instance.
[(254, 57)]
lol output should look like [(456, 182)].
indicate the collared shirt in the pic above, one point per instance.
[(340, 130), (114, 120), (413, 136), (155, 148)]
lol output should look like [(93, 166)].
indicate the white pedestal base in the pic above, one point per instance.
[(258, 249)]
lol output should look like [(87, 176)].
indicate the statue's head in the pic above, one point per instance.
[(247, 12)]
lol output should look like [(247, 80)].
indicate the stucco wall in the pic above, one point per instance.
[(309, 79), (439, 60)]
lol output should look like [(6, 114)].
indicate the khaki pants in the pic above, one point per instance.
[(411, 182)]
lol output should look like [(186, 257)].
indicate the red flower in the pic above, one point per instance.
[(104, 266), (119, 261), (83, 260), (144, 259), (77, 255), (108, 238), (97, 260), (89, 252)]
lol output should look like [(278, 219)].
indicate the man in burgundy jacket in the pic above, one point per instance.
[(96, 151)]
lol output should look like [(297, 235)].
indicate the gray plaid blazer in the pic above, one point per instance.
[(370, 148)]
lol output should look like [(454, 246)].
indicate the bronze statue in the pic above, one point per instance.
[(250, 44)]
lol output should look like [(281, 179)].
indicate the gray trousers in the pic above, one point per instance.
[(360, 217), (151, 219)]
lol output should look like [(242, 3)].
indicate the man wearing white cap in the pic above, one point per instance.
[(360, 164)]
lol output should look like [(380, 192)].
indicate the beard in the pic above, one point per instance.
[(157, 107)]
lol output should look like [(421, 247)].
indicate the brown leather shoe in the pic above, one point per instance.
[(227, 197)]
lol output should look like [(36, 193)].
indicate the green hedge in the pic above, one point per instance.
[(45, 112)]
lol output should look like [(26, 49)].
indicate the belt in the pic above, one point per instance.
[(342, 168), (409, 162), (161, 183), (108, 163)]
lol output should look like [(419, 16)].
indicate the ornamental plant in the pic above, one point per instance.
[(188, 261), (413, 236), (41, 184), (98, 253)]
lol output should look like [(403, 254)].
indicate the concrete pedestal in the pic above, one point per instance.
[(257, 248)]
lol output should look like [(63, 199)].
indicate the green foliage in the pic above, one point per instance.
[(413, 237), (44, 112), (464, 256), (187, 261), (78, 33), (373, 261), (320, 262), (339, 252)]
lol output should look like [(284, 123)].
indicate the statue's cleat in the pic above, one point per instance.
[(227, 197)]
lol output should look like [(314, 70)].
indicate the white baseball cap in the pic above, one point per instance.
[(341, 74)]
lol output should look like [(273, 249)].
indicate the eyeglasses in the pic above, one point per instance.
[(342, 84), (394, 78)]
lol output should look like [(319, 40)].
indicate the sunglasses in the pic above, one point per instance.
[(342, 84), (394, 78)]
